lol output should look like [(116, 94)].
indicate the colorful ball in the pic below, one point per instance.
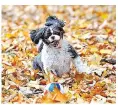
[(50, 87)]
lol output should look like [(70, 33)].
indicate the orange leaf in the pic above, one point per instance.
[(46, 99), (79, 77), (13, 87), (43, 82), (54, 97), (59, 96), (18, 98)]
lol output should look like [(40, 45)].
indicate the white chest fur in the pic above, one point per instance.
[(56, 59)]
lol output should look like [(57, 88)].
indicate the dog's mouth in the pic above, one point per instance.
[(56, 44)]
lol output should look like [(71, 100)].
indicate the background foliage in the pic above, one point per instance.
[(92, 32)]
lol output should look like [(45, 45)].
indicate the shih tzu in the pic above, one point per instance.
[(55, 53)]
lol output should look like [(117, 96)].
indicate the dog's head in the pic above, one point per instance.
[(51, 34)]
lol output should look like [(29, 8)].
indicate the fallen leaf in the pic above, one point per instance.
[(105, 51), (12, 70)]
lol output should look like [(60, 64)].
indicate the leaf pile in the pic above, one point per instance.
[(92, 32)]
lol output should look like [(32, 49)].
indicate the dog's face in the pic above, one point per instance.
[(50, 35), (53, 35)]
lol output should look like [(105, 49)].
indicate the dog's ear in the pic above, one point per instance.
[(37, 34), (51, 20), (33, 34), (62, 32)]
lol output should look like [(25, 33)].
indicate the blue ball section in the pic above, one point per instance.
[(58, 86), (51, 88), (52, 85)]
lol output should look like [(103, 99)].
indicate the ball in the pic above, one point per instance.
[(50, 87)]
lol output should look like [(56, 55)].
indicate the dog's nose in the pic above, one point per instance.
[(53, 37)]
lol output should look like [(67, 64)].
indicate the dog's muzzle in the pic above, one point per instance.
[(56, 44)]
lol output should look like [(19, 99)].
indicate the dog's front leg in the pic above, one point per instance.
[(81, 66), (78, 63)]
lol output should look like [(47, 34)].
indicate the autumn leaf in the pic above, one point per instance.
[(59, 96), (79, 77), (12, 70), (105, 51), (54, 96)]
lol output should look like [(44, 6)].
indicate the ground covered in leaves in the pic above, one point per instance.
[(92, 32)]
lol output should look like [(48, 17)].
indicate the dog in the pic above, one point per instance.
[(55, 53)]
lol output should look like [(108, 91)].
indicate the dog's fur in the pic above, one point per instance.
[(56, 54)]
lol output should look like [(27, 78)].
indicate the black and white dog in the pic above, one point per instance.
[(56, 54)]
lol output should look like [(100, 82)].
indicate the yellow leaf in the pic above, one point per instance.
[(93, 49), (9, 71), (27, 72), (9, 35), (94, 59), (12, 35), (104, 15), (100, 84), (104, 73), (105, 51)]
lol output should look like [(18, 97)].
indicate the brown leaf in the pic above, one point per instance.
[(79, 77)]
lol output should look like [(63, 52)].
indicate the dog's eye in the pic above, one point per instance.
[(57, 33), (48, 33)]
